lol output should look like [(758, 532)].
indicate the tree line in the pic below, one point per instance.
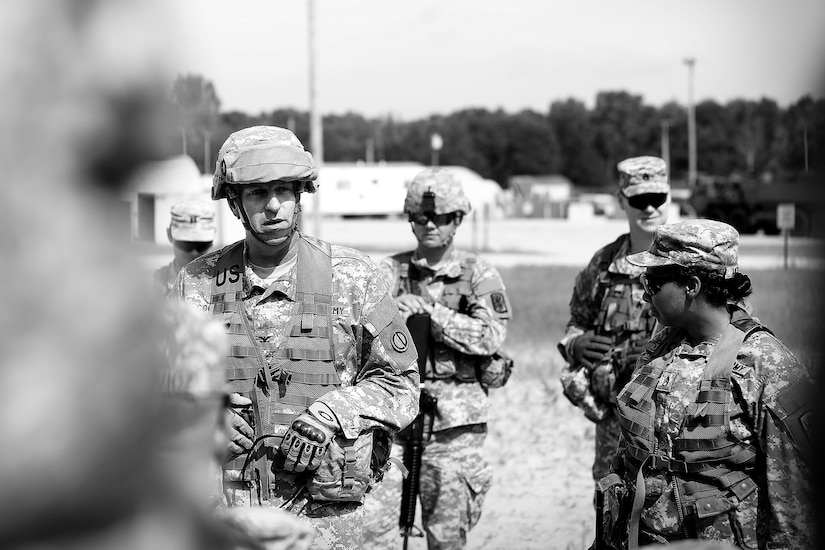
[(750, 139)]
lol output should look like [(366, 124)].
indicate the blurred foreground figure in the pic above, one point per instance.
[(321, 365), (194, 439), (82, 422), (458, 307), (717, 418), (609, 322), (191, 232)]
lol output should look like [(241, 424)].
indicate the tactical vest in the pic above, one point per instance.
[(302, 367), (445, 361), (620, 316), (708, 461)]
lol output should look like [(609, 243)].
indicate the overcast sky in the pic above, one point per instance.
[(414, 58)]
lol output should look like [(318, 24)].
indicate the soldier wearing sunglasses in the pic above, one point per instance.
[(191, 232), (464, 304), (717, 420), (609, 322)]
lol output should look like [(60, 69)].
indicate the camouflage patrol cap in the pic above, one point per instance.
[(449, 194), (261, 154), (707, 244), (192, 220), (640, 175)]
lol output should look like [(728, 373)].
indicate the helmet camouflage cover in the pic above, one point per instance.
[(436, 190), (261, 154)]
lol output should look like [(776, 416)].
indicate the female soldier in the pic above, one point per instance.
[(715, 421)]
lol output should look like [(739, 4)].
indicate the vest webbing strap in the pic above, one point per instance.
[(702, 444), (315, 332), (225, 307), (228, 297), (636, 428)]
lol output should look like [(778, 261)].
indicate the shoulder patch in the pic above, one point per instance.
[(499, 302), (399, 341)]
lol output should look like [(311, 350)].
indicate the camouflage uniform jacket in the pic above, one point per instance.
[(164, 279), (479, 329), (589, 290), (772, 513), (376, 365)]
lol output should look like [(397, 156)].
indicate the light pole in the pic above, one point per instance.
[(691, 126), (316, 130), (435, 146)]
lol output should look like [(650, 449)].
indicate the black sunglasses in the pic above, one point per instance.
[(194, 246), (641, 202), (653, 283), (437, 219)]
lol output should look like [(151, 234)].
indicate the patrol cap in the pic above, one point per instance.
[(449, 194), (261, 154), (640, 175), (708, 244), (193, 220)]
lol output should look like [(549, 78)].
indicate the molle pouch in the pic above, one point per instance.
[(444, 362), (576, 387), (344, 474), (494, 371), (603, 381), (715, 519)]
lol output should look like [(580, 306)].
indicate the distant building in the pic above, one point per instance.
[(160, 184), (542, 196), (357, 189)]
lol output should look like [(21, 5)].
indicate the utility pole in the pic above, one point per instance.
[(805, 143), (207, 154), (316, 130), (690, 62), (665, 124)]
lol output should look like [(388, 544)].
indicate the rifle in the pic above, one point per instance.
[(419, 326)]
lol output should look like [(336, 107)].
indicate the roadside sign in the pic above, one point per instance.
[(785, 215)]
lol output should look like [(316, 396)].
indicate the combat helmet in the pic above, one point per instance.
[(436, 191), (261, 154)]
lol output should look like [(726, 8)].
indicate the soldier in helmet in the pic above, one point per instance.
[(191, 232), (321, 366), (609, 322), (466, 303), (717, 419)]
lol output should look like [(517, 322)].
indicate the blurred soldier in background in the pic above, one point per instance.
[(321, 365), (468, 309), (191, 232), (609, 323)]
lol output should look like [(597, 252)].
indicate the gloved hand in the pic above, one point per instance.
[(411, 304), (239, 431), (589, 349), (307, 439)]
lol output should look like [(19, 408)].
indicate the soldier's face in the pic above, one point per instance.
[(667, 295), (271, 209), (644, 213), (437, 232)]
